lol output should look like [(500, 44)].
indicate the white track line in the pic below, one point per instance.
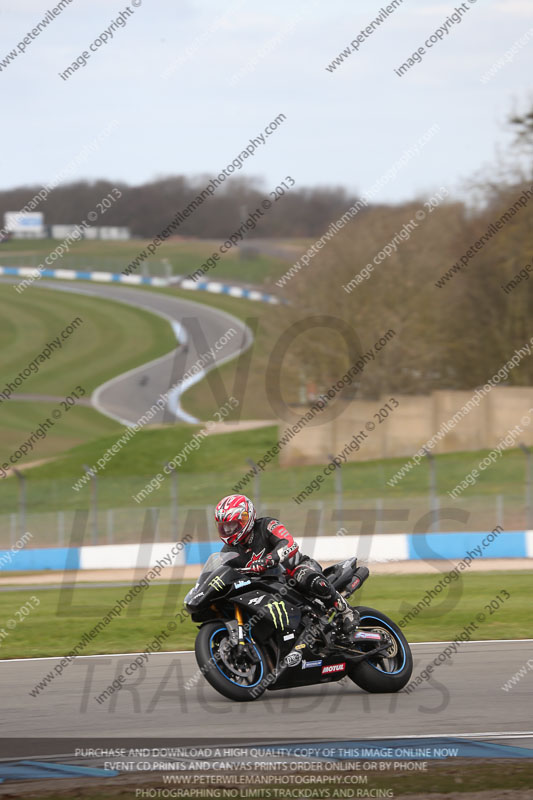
[(474, 641), (181, 334), (185, 652), (448, 735), (97, 655), (177, 328), (95, 397)]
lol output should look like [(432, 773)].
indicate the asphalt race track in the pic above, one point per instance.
[(127, 397), (465, 697)]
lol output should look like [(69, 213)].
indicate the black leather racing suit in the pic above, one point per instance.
[(270, 537)]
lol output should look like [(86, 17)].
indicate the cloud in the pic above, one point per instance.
[(520, 8)]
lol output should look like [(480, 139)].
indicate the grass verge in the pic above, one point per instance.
[(39, 315), (59, 621), (211, 471), (184, 255)]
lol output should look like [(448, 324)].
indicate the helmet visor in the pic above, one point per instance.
[(227, 530)]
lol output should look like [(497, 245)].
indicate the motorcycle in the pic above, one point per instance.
[(258, 632)]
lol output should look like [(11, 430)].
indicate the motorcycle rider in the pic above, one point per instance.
[(265, 542)]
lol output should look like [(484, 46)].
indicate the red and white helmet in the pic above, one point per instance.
[(235, 517)]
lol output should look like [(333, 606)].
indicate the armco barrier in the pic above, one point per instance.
[(128, 556), (381, 547), (225, 288), (510, 544), (55, 558), (215, 287)]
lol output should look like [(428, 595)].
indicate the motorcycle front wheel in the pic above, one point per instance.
[(231, 673)]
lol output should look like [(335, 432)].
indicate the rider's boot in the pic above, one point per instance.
[(350, 617)]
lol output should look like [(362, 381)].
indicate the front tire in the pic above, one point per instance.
[(213, 656), (383, 674)]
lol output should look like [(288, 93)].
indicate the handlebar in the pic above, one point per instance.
[(256, 574)]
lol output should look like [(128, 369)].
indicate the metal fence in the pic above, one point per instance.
[(121, 524)]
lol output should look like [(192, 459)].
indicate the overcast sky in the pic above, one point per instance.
[(177, 78)]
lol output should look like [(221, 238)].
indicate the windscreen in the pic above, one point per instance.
[(215, 561)]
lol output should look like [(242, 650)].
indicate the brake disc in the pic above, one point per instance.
[(391, 651), (225, 655)]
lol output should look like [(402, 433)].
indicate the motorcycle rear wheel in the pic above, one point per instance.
[(388, 673)]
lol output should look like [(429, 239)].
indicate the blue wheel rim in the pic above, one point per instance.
[(241, 685), (382, 623)]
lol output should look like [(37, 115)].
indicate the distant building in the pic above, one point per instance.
[(62, 231), (106, 232), (25, 225), (30, 225), (109, 233)]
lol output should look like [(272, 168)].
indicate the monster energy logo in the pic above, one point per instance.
[(217, 583), (278, 613)]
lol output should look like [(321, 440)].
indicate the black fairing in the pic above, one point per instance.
[(271, 609), (340, 574), (275, 614)]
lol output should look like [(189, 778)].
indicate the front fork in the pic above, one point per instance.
[(235, 628), (238, 617), (236, 633)]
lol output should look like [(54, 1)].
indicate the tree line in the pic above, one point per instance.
[(146, 208), (452, 333)]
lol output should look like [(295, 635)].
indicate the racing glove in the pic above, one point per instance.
[(262, 564)]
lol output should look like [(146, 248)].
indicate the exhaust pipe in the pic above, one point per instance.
[(359, 577)]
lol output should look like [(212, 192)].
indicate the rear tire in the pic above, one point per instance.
[(210, 637), (379, 675)]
